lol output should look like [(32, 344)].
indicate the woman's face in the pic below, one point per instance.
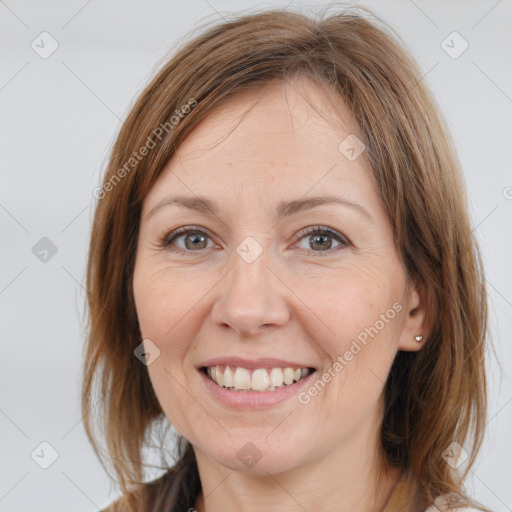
[(247, 285)]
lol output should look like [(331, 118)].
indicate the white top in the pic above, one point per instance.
[(440, 506), (401, 495), (434, 508)]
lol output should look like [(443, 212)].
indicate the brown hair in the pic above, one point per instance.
[(434, 396)]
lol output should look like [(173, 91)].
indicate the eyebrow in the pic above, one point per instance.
[(284, 209)]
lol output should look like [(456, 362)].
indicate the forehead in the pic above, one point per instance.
[(273, 139)]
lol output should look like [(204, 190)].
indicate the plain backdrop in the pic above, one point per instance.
[(59, 114)]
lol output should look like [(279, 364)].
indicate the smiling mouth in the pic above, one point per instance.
[(258, 380)]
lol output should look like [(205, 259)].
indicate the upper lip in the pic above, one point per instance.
[(265, 362)]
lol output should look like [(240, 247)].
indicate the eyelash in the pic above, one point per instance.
[(165, 242)]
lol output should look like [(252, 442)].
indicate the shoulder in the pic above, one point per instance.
[(172, 488), (115, 506), (440, 506), (434, 508)]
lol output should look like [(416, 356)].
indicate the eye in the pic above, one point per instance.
[(194, 238), (319, 237)]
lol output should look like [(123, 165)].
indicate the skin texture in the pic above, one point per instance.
[(302, 299)]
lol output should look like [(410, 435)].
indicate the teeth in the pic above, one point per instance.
[(288, 375), (260, 379), (228, 378), (276, 377), (242, 379), (219, 376)]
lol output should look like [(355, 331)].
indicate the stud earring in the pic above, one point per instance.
[(418, 338)]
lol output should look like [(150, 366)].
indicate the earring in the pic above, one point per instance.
[(418, 338)]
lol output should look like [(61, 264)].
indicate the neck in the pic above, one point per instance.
[(251, 494), (344, 480)]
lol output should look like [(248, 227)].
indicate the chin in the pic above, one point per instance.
[(257, 457)]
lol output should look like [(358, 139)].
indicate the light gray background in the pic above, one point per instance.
[(58, 119)]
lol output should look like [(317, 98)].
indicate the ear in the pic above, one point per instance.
[(414, 319)]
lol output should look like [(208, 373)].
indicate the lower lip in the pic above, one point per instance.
[(250, 400)]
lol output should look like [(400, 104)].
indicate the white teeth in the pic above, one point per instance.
[(260, 380), (242, 379), (219, 376), (276, 377), (228, 378), (288, 375)]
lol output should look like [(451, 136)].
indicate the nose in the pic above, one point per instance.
[(251, 298)]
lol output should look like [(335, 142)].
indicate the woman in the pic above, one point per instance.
[(282, 268)]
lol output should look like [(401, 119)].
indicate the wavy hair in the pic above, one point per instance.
[(434, 396)]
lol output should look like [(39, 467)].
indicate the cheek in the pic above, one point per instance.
[(358, 317), (172, 307), (352, 298), (162, 306)]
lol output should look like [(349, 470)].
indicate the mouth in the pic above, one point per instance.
[(255, 380)]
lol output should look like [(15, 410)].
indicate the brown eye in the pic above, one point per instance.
[(193, 240), (320, 239)]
